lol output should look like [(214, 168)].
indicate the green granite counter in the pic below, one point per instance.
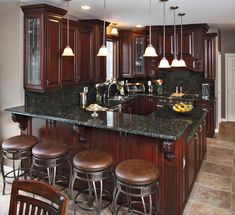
[(162, 123)]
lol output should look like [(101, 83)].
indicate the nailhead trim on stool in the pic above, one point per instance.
[(137, 179), (92, 166), (16, 148)]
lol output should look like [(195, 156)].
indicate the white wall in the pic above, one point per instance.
[(11, 65)]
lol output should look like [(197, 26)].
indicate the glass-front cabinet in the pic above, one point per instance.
[(33, 49), (42, 47), (138, 61), (132, 47)]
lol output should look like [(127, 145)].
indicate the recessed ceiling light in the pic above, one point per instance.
[(85, 7), (139, 26)]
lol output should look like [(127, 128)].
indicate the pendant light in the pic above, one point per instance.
[(175, 62), (150, 50), (103, 51), (164, 62), (68, 51), (181, 61), (114, 30)]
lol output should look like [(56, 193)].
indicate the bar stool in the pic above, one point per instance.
[(16, 148), (92, 166), (49, 155), (137, 179)]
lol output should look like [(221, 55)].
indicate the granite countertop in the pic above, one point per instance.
[(162, 123)]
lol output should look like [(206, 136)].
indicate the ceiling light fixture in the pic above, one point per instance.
[(68, 51), (103, 51), (150, 50), (114, 30), (85, 7), (175, 62), (181, 61), (139, 26), (164, 62)]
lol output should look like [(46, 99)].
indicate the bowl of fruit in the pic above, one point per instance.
[(182, 107)]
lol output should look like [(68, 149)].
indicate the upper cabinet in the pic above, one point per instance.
[(210, 56), (132, 47), (42, 45), (68, 64), (192, 45)]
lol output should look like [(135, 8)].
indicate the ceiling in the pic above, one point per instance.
[(217, 13)]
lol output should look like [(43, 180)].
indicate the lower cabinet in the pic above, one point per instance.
[(195, 149), (208, 105)]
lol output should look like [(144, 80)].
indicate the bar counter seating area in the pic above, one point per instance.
[(115, 119)]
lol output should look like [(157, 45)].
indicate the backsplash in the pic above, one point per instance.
[(64, 97), (190, 81)]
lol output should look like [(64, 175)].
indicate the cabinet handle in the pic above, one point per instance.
[(196, 136), (200, 128), (47, 82), (184, 162)]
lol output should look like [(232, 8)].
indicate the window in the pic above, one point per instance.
[(112, 59)]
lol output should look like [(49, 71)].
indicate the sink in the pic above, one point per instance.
[(118, 98)]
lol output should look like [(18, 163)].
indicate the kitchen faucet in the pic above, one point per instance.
[(112, 82)]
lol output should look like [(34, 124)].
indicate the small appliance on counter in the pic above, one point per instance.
[(205, 91), (135, 88)]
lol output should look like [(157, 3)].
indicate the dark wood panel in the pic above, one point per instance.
[(53, 52), (68, 65)]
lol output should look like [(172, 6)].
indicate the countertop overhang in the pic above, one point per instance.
[(163, 123)]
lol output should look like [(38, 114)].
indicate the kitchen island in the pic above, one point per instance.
[(174, 142)]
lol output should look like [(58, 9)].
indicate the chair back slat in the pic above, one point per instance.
[(48, 201)]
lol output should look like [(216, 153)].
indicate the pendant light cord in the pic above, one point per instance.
[(181, 39), (164, 29), (68, 22), (174, 36), (150, 37), (104, 24)]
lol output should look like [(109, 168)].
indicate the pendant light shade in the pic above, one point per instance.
[(175, 62), (150, 50), (114, 30), (164, 62), (181, 61), (103, 51), (68, 51)]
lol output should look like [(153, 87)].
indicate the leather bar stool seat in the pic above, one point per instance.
[(137, 178), (19, 143), (93, 167), (49, 155), (17, 148), (136, 172), (93, 160), (48, 150)]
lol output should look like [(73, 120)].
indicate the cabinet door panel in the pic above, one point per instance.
[(126, 61), (84, 62), (53, 52), (68, 68)]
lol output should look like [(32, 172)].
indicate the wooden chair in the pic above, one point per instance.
[(30, 197)]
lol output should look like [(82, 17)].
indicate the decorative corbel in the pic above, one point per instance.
[(22, 120), (169, 149)]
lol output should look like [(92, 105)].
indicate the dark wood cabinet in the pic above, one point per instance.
[(208, 105), (42, 45), (192, 47), (68, 63), (132, 47), (210, 56)]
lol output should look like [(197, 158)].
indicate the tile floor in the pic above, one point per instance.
[(214, 190)]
